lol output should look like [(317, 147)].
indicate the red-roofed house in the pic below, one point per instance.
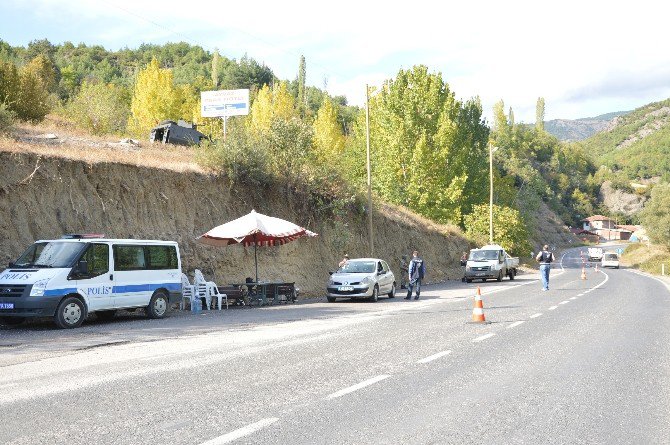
[(606, 228)]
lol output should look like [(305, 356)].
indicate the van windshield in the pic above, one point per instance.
[(483, 255), (50, 254)]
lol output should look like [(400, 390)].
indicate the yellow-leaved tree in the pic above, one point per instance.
[(328, 137), (270, 104), (155, 98)]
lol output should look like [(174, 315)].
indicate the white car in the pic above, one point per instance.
[(362, 278), (610, 259)]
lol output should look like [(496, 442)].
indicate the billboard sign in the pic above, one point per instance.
[(224, 103)]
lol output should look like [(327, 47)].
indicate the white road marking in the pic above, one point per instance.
[(553, 307), (580, 295), (434, 357), (564, 302), (536, 315), (573, 298), (515, 324), (239, 433), (361, 385), (483, 337)]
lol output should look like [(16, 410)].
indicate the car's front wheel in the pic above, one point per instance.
[(392, 293), (375, 294)]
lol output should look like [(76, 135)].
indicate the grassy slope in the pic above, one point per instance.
[(647, 258)]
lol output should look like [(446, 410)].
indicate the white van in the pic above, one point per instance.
[(71, 277)]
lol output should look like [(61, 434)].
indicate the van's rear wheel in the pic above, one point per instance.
[(70, 314), (158, 306)]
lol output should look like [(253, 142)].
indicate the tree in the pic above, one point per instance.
[(270, 104), (302, 74), (32, 102), (655, 216), (216, 62), (426, 146), (509, 228), (154, 99), (100, 108), (539, 114), (328, 138)]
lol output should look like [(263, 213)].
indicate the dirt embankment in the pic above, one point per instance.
[(44, 197)]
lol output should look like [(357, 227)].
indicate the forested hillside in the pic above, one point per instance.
[(637, 146), (429, 148)]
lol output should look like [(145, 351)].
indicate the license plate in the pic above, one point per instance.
[(481, 274), (345, 288), (6, 305)]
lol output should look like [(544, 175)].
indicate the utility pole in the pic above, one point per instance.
[(490, 193), (367, 140)]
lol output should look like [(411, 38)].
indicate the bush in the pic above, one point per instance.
[(100, 108), (7, 117)]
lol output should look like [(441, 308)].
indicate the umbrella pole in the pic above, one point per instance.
[(255, 258)]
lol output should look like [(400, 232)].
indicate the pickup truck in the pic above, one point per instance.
[(595, 253), (490, 262)]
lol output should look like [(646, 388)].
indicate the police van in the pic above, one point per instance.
[(69, 278)]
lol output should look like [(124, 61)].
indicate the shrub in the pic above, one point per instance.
[(100, 108), (7, 117)]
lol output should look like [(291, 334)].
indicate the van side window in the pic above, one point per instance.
[(97, 257), (161, 257), (129, 258)]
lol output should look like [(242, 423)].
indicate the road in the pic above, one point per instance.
[(586, 362)]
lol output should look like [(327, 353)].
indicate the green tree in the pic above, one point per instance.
[(539, 114), (100, 108), (270, 104), (426, 146), (31, 102), (302, 75), (216, 65), (655, 216), (509, 228), (154, 99)]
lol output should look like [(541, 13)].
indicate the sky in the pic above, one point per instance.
[(586, 57)]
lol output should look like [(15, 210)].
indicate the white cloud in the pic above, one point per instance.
[(581, 56)]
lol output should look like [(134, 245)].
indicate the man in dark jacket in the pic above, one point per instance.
[(417, 270), (545, 258)]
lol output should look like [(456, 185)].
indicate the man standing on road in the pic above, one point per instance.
[(545, 258), (417, 270)]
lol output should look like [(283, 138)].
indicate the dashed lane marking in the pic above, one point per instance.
[(434, 357), (573, 298), (361, 385), (515, 324), (564, 302), (553, 307), (239, 433), (483, 337), (536, 315)]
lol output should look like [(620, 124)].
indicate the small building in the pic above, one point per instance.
[(180, 133), (585, 235), (597, 222)]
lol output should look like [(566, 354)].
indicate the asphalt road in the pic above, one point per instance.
[(586, 362)]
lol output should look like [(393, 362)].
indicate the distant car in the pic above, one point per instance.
[(610, 259), (362, 278)]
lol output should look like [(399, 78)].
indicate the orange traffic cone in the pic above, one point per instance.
[(583, 273), (478, 310)]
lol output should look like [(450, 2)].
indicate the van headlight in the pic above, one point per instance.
[(39, 287)]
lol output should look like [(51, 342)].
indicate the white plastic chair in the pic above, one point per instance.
[(188, 292), (208, 290)]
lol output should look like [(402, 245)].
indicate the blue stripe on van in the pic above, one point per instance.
[(146, 287), (60, 292), (175, 287)]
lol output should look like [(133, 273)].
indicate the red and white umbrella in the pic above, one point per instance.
[(254, 229)]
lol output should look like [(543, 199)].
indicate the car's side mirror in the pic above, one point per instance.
[(10, 265), (330, 272)]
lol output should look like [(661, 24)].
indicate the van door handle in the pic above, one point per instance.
[(111, 276)]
